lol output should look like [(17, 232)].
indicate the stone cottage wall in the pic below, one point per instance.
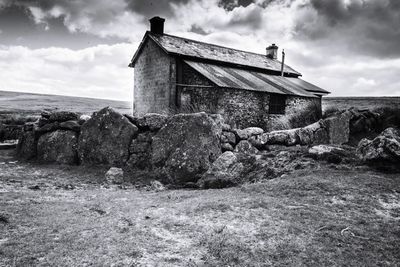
[(153, 87), (239, 108)]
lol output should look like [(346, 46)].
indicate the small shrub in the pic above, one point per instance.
[(329, 111), (389, 116)]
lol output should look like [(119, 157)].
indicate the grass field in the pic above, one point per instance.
[(33, 104), (67, 216), (360, 102)]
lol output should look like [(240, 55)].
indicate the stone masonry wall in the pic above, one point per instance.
[(240, 108), (153, 87)]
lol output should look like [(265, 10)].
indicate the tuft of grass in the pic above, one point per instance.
[(308, 114), (223, 248)]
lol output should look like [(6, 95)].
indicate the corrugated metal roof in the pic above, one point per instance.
[(228, 77), (309, 86), (192, 48)]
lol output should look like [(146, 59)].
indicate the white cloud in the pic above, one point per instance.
[(100, 71)]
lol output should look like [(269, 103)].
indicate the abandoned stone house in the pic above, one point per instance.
[(174, 75)]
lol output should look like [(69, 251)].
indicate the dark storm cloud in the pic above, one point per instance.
[(231, 4), (18, 27), (366, 27), (149, 8)]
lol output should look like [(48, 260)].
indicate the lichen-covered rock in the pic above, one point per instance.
[(61, 116), (283, 137), (329, 153), (224, 172), (49, 127), (105, 138), (152, 121), (246, 133), (228, 137), (70, 125), (246, 147), (27, 145), (226, 147), (338, 128), (114, 176), (59, 146), (384, 148), (186, 147)]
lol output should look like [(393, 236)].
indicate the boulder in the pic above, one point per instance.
[(224, 172), (246, 133), (315, 133), (59, 146), (152, 121), (228, 137), (329, 153), (385, 148), (70, 125), (140, 149), (114, 176), (61, 116), (338, 128), (27, 145), (50, 127), (226, 147), (105, 138), (284, 137), (186, 147), (246, 147), (156, 186)]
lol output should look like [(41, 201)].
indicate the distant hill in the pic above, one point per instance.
[(361, 102), (27, 103)]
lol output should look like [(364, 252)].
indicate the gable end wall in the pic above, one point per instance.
[(154, 78)]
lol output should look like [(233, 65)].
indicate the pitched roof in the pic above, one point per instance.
[(238, 78), (204, 51)]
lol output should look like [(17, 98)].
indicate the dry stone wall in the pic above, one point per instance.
[(178, 149)]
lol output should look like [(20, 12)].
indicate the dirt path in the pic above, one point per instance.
[(66, 216)]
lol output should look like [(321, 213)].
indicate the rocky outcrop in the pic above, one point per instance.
[(186, 147), (59, 146), (384, 149), (105, 138)]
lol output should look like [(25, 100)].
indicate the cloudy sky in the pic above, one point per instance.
[(83, 47)]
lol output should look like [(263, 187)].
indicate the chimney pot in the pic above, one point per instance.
[(157, 25), (272, 51)]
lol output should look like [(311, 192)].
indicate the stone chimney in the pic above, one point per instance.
[(272, 51), (157, 25)]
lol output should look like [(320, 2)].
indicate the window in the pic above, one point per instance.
[(277, 104)]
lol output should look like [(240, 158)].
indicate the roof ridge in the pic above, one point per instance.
[(221, 46)]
